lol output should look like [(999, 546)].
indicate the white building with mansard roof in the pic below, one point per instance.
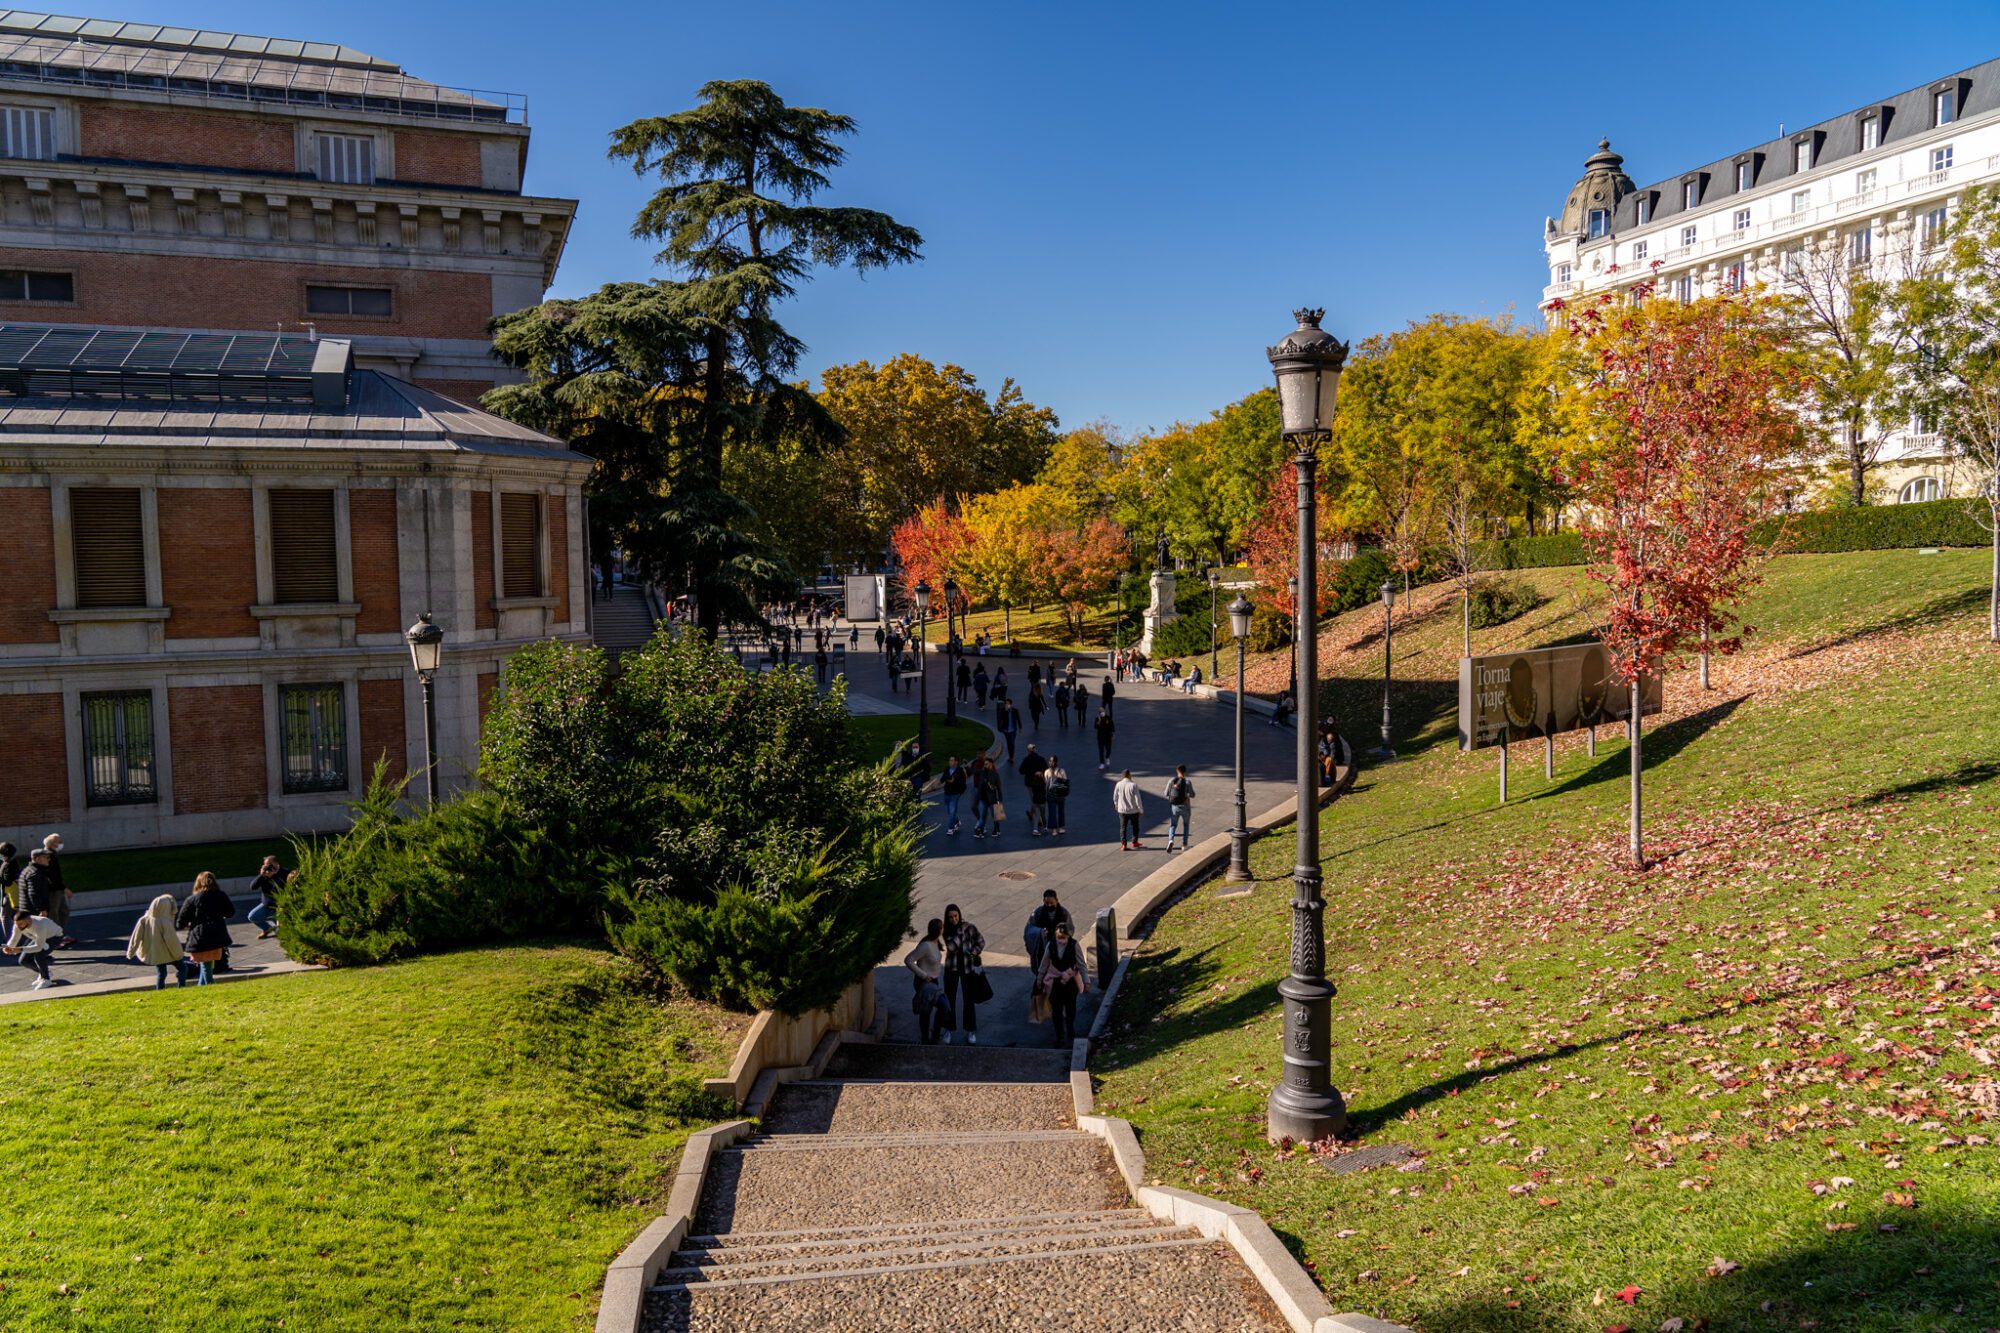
[(1880, 182)]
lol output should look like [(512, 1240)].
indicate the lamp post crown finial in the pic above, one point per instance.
[(1309, 316)]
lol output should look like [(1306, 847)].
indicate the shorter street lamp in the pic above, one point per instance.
[(426, 647), (923, 591), (1239, 837), (1292, 591), (951, 658), (1388, 637), (1214, 583)]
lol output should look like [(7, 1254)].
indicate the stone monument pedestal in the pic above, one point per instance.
[(1161, 611)]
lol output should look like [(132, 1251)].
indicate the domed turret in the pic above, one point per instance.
[(1587, 212)]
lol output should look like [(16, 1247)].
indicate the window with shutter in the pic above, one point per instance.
[(520, 545), (305, 562), (312, 731), (108, 546)]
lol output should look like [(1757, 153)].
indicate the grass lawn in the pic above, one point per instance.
[(85, 870), (1750, 1086), (462, 1141), (1045, 628), (877, 735)]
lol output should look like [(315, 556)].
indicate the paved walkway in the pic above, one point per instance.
[(97, 962), (998, 881)]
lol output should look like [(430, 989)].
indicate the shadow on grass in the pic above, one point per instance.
[(1965, 775), (1154, 982), (1937, 611), (1368, 1121), (1926, 1271), (1660, 746)]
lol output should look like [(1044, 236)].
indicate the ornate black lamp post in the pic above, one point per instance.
[(1388, 751), (426, 641), (923, 595), (1305, 1107), (957, 649), (1239, 836)]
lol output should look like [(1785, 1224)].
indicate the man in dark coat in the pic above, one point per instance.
[(37, 890)]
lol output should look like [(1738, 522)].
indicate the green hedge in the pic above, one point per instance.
[(1821, 532)]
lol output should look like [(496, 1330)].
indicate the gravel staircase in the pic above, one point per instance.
[(939, 1188), (621, 622)]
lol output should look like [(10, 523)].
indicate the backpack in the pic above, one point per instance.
[(1177, 791)]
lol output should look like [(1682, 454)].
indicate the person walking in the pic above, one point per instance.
[(1062, 978), (1180, 806), (820, 663), (1055, 781), (1037, 705), (35, 888), (964, 679), (1131, 808), (155, 944), (271, 877), (926, 964), (59, 900), (965, 983), (881, 641), (34, 941), (1007, 721), (1032, 769), (1104, 733), (952, 785), (205, 917), (1069, 673), (1079, 699), (1106, 695), (982, 684), (985, 798), (1041, 922), (1062, 705), (999, 690)]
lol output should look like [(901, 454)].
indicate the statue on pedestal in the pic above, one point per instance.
[(1161, 559)]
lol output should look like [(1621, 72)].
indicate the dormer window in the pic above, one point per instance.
[(1691, 192), (1944, 106), (1600, 223), (1643, 209), (1871, 133), (1746, 175)]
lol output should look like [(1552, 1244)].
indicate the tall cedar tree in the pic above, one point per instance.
[(656, 379), (1691, 411)]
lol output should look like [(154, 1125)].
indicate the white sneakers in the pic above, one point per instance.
[(41, 983), (972, 1039)]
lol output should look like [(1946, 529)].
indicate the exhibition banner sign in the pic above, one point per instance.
[(1542, 692)]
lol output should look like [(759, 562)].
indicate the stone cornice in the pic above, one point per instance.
[(275, 217), (441, 461)]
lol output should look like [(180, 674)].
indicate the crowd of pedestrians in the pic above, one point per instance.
[(948, 974), (185, 939)]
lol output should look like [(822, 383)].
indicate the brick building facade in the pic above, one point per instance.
[(211, 569), (156, 177)]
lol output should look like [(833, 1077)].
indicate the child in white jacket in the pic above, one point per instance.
[(155, 941)]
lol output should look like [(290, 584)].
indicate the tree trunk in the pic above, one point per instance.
[(715, 383), (1993, 594), (1704, 666), (1638, 836), (1010, 624), (1857, 465)]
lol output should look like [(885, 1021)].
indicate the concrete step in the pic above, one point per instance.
[(853, 1256), (830, 1106), (766, 1189), (928, 1138), (1173, 1286), (813, 1235), (950, 1064), (913, 1264)]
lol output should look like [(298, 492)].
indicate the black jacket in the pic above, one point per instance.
[(203, 916), (37, 890), (954, 781), (267, 886)]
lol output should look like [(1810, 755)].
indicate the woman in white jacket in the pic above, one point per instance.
[(156, 941), (926, 964)]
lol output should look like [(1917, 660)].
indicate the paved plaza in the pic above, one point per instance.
[(97, 961)]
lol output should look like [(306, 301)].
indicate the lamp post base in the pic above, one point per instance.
[(1305, 1117), (1239, 856)]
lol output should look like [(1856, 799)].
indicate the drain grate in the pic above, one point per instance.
[(1017, 874), (1375, 1154)]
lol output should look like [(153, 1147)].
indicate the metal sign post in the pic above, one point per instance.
[(1544, 692)]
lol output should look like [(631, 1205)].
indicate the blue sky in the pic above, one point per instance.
[(1121, 202)]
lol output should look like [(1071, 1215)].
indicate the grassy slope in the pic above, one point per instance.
[(879, 734), (459, 1141), (1616, 1078)]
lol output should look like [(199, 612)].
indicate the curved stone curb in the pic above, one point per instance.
[(631, 1274)]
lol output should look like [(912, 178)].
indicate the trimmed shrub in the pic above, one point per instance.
[(1270, 630), (1187, 636), (1360, 581), (1497, 601), (1881, 527), (1545, 552)]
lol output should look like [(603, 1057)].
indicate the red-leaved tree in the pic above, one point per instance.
[(1273, 543), (929, 544), (1686, 417), (1082, 566)]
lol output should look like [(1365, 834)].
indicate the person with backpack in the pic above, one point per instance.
[(965, 983), (952, 785), (1055, 781), (1104, 731), (1061, 979), (1032, 769), (205, 917), (1180, 806), (154, 943), (986, 798), (1131, 808)]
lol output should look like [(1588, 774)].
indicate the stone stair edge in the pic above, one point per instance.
[(1039, 1242), (867, 1228), (630, 1276), (976, 1261), (1136, 1219)]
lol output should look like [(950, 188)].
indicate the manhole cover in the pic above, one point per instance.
[(1017, 874), (1375, 1154)]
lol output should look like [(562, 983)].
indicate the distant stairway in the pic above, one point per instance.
[(621, 622)]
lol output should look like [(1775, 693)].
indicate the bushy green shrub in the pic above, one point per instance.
[(1880, 527), (1270, 630), (1187, 636), (398, 884), (1495, 601), (1359, 582), (1545, 552)]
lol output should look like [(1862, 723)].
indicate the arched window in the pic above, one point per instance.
[(1918, 489)]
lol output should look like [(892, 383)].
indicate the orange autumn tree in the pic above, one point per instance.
[(1273, 545), (930, 544), (1686, 414)]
